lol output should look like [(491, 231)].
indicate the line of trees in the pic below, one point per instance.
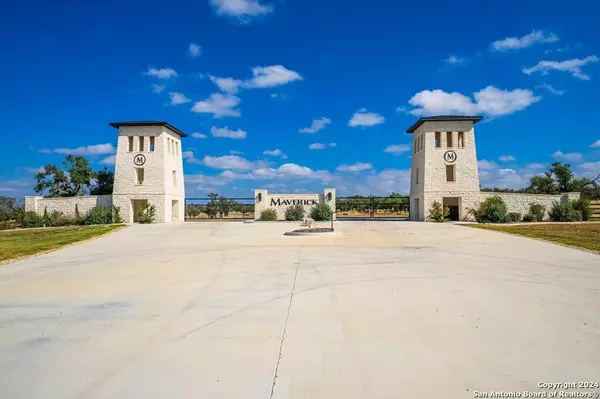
[(393, 203), (559, 178), (218, 207)]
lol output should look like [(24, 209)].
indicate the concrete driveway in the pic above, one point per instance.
[(234, 310)]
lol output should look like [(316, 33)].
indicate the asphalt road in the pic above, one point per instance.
[(237, 310)]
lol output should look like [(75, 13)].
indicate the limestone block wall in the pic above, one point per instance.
[(467, 200), (66, 205), (520, 202), (280, 202), (163, 210)]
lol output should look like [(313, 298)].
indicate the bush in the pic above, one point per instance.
[(492, 210), (45, 217), (536, 213), (294, 212), (268, 215), (98, 215), (147, 215), (528, 217), (321, 212), (564, 212), (32, 219), (58, 218), (78, 219), (438, 213), (514, 217), (583, 205), (117, 218)]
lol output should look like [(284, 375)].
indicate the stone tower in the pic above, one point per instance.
[(444, 166), (149, 171)]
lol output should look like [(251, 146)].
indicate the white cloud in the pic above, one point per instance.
[(271, 76), (357, 167), (317, 124), (454, 60), (486, 165), (195, 50), (190, 157), (364, 118), (275, 153), (333, 145), (240, 8), (158, 88), (397, 149), (316, 146), (593, 167), (36, 170), (569, 156), (551, 89), (198, 135), (234, 152), (507, 158), (227, 162), (228, 85), (110, 160), (490, 101), (219, 105), (178, 98), (97, 149), (504, 178), (401, 109), (164, 73), (535, 165), (572, 66), (515, 43), (595, 144), (228, 133)]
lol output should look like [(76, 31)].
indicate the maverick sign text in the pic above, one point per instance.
[(280, 202)]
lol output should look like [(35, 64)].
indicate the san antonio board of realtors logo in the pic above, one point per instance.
[(450, 156), (139, 159)]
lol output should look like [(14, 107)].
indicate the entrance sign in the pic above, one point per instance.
[(264, 200), (139, 159), (280, 202), (450, 156)]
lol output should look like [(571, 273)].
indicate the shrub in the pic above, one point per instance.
[(564, 212), (147, 215), (514, 217), (32, 219), (528, 217), (583, 205), (268, 215), (321, 212), (98, 215), (117, 218), (492, 210), (294, 212), (58, 218), (78, 219), (438, 213), (45, 217), (536, 212)]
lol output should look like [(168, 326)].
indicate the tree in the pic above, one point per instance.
[(73, 181), (563, 176), (212, 208), (542, 185), (224, 207), (104, 182), (10, 209)]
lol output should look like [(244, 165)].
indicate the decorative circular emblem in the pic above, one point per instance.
[(139, 160), (450, 156)]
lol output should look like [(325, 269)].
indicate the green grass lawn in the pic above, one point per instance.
[(16, 244), (583, 235)]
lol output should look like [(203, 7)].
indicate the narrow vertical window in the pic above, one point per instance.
[(438, 139), (141, 143), (174, 178), (176, 148), (415, 145), (130, 138), (139, 176), (461, 139), (151, 148), (449, 139), (450, 173), (417, 176)]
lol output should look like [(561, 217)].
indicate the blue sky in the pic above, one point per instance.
[(297, 95)]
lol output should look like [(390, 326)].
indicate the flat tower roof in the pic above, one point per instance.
[(148, 123), (418, 123)]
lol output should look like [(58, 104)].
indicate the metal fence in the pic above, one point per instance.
[(221, 208), (358, 207), (347, 208)]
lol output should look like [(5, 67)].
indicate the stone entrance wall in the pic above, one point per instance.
[(280, 202)]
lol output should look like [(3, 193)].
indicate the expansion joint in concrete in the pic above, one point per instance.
[(287, 316)]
